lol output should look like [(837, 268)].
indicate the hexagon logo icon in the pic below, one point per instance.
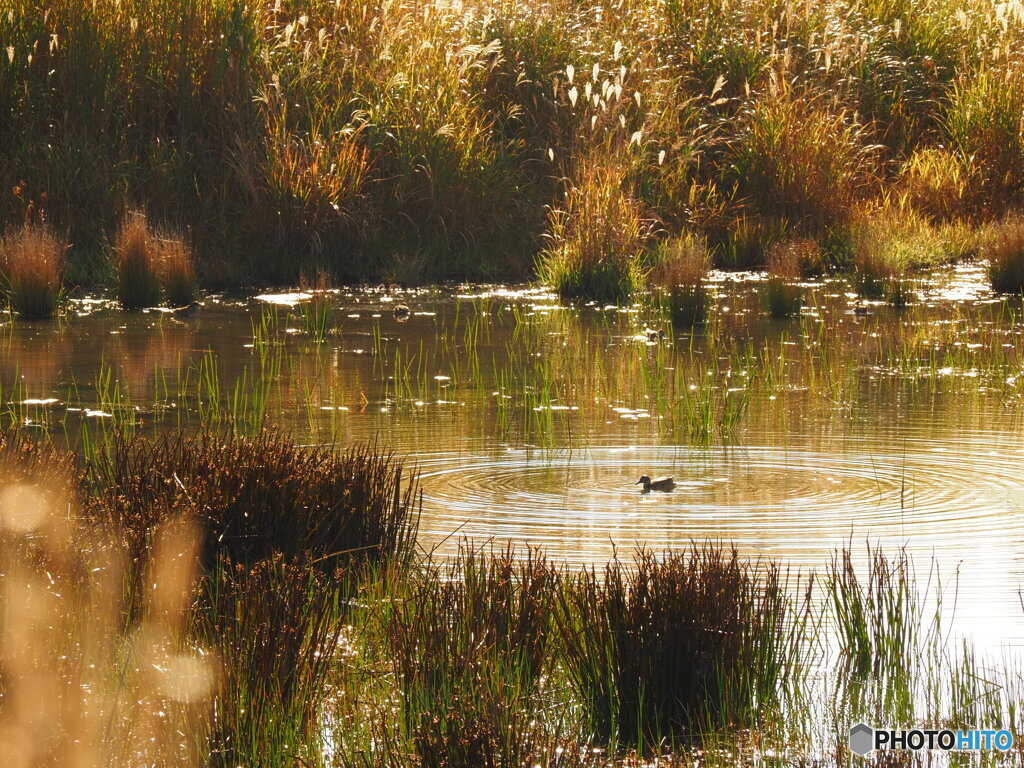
[(862, 739)]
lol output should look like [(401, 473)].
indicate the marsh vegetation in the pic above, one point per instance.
[(774, 249), (421, 141)]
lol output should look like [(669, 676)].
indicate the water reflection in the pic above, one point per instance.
[(531, 421)]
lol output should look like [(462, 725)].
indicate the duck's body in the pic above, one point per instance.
[(401, 312), (188, 311), (661, 484)]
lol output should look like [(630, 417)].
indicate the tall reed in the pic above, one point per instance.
[(471, 647), (278, 626), (177, 270)]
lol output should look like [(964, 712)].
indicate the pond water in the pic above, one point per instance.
[(853, 423)]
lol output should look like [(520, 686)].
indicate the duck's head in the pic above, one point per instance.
[(643, 479)]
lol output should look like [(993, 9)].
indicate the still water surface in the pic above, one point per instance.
[(531, 422)]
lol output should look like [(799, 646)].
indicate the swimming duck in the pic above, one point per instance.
[(401, 312), (661, 484), (189, 311)]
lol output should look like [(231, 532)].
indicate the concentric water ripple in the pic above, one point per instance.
[(960, 501)]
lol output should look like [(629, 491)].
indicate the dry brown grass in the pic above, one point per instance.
[(177, 270), (137, 254), (1002, 244), (685, 264), (783, 263), (32, 271)]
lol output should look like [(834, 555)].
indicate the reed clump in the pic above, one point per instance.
[(685, 262), (1002, 243), (471, 646), (889, 240), (32, 271), (137, 256), (262, 496), (177, 270), (279, 628), (748, 238), (676, 644), (595, 239), (887, 644), (782, 293)]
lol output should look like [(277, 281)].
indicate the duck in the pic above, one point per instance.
[(188, 311), (401, 312), (661, 484)]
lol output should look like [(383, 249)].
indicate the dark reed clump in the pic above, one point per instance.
[(470, 648), (137, 261), (177, 271), (262, 496), (279, 628), (23, 458), (676, 644)]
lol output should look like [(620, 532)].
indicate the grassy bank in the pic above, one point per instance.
[(215, 600), (416, 141)]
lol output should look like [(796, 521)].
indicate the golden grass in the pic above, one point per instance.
[(596, 238), (783, 263), (83, 686), (32, 271), (935, 182), (801, 161), (891, 238), (685, 264)]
